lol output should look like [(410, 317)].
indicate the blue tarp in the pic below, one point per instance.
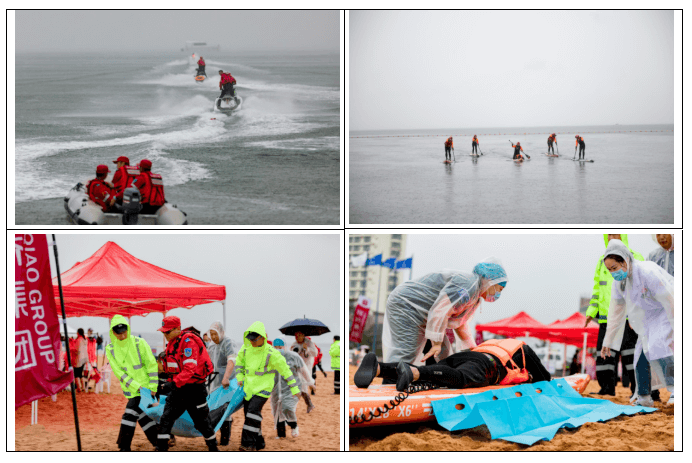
[(527, 413), (222, 403)]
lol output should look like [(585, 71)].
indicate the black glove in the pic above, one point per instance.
[(166, 388)]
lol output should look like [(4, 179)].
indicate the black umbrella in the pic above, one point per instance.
[(307, 326)]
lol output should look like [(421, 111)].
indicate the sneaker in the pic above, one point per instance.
[(294, 432), (670, 401), (644, 401)]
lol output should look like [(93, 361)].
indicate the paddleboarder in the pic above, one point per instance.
[(582, 147), (474, 145), (449, 146), (551, 139), (517, 152)]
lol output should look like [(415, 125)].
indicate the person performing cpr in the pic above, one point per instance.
[(423, 314)]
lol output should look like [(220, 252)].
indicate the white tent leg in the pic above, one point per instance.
[(223, 305), (583, 354)]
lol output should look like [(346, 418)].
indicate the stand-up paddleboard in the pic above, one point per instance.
[(552, 155), (474, 155), (583, 160), (446, 162), (416, 407)]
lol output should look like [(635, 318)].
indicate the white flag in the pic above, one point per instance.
[(359, 261)]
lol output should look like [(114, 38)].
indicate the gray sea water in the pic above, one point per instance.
[(398, 177), (276, 161)]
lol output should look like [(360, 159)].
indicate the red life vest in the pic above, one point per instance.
[(128, 174), (99, 192), (504, 349), (174, 357), (152, 189), (449, 143)]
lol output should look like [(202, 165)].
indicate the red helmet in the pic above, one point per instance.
[(518, 143), (474, 136), (576, 136)]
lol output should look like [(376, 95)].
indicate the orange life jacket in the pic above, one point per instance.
[(449, 143), (504, 349), (475, 140)]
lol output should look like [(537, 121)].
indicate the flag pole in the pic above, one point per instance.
[(67, 347), (377, 311)]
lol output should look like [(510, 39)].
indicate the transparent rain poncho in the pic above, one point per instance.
[(220, 353), (427, 307), (663, 257), (307, 351), (646, 298), (283, 402)]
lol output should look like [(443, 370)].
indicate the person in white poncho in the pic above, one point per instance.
[(643, 293), (422, 315), (307, 350), (223, 353), (283, 402)]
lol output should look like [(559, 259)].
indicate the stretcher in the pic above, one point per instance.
[(223, 402)]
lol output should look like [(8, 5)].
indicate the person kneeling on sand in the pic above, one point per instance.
[(283, 402)]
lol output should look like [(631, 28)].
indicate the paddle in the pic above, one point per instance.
[(455, 158), (558, 149)]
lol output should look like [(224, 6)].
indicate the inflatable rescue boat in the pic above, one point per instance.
[(83, 211)]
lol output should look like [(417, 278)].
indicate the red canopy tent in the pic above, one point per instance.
[(569, 331), (112, 281), (521, 324)]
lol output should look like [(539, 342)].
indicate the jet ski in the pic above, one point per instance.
[(228, 103), (83, 211), (200, 76)]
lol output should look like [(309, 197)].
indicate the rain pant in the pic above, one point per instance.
[(308, 352), (663, 257), (283, 401), (220, 353)]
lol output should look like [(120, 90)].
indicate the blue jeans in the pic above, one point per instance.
[(644, 373)]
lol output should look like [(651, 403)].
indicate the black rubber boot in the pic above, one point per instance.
[(162, 445), (656, 395), (125, 438), (153, 435), (405, 376), (225, 433), (281, 429), (212, 445), (367, 371)]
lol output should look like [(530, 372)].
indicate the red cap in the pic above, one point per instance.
[(169, 323), (102, 169), (145, 163), (124, 159)]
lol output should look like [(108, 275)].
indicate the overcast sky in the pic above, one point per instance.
[(38, 31), (546, 273), (270, 278), (457, 69)]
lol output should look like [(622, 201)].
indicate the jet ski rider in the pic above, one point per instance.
[(226, 84), (200, 67)]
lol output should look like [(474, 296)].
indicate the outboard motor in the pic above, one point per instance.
[(131, 206)]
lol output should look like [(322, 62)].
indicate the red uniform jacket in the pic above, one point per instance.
[(151, 188), (99, 193), (226, 78), (187, 360), (123, 178), (200, 62)]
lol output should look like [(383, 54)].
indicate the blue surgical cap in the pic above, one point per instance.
[(491, 272), (278, 342)]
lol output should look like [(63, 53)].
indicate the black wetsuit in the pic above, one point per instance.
[(448, 153), (550, 145), (582, 148), (474, 147), (517, 152), (468, 369)]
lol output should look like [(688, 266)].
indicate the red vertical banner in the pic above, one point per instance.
[(36, 327), (360, 316)]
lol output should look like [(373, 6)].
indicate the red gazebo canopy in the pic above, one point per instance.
[(516, 325), (571, 331), (112, 281)]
